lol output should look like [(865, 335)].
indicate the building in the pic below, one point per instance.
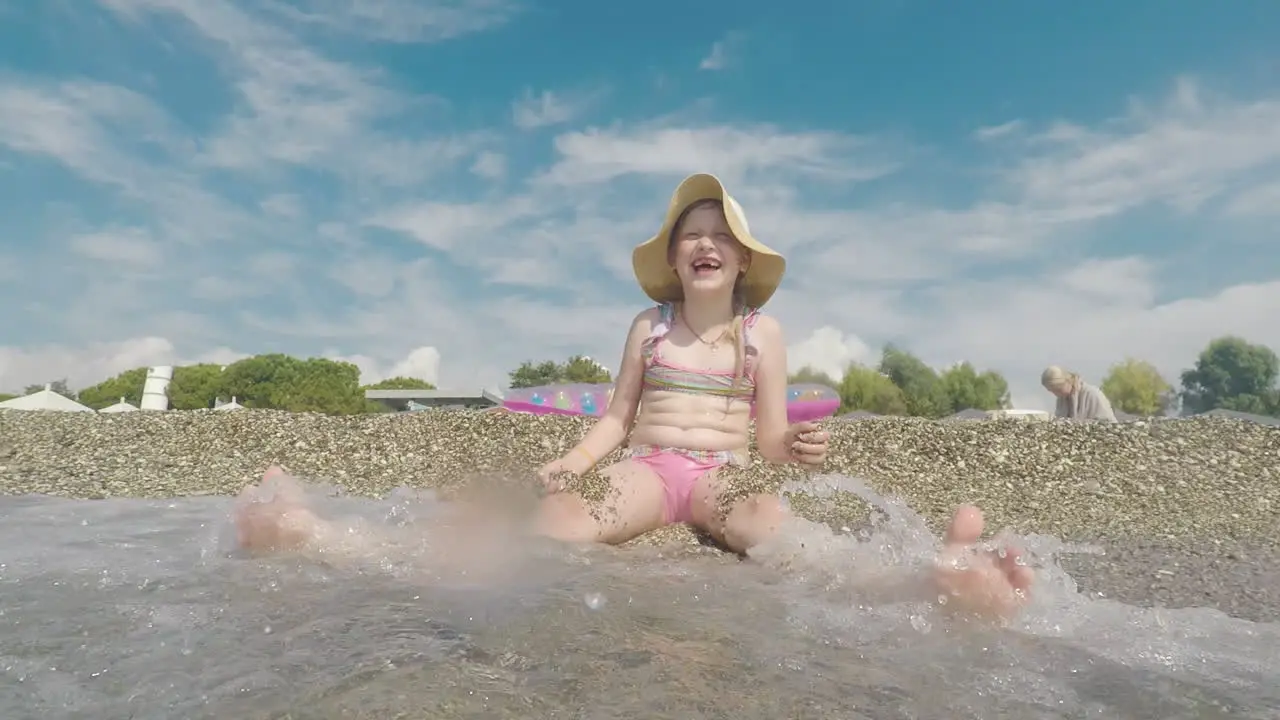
[(421, 399)]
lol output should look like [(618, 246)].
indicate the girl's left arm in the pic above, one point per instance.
[(771, 391)]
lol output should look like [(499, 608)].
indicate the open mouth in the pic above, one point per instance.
[(705, 266)]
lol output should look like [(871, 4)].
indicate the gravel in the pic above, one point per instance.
[(1168, 498)]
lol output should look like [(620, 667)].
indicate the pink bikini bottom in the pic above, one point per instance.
[(679, 470)]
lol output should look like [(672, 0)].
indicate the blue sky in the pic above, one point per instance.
[(447, 188)]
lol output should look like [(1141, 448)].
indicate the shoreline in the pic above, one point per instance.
[(1186, 508), (1183, 480)]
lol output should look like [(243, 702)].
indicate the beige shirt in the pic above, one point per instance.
[(1086, 403)]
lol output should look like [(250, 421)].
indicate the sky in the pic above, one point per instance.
[(444, 189)]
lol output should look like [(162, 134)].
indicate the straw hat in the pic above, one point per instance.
[(660, 282)]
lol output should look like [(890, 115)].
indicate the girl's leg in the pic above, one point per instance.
[(745, 524), (273, 517), (632, 506)]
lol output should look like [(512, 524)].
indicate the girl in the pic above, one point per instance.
[(692, 368)]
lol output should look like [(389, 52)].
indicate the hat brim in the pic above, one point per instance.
[(659, 281)]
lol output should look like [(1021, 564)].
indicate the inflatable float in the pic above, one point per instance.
[(804, 401)]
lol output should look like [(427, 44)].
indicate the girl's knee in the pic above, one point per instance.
[(564, 516), (765, 509), (753, 520)]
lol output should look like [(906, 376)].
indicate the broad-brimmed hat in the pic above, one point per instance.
[(660, 282)]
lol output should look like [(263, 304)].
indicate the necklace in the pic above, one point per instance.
[(713, 344)]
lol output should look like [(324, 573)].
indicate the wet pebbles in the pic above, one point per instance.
[(1193, 488)]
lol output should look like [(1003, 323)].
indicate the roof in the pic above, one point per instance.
[(45, 399), (437, 397), (969, 414), (1237, 415), (119, 407), (857, 415)]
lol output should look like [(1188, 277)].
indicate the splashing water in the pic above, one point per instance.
[(138, 609)]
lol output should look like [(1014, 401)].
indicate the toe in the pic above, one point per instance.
[(966, 526)]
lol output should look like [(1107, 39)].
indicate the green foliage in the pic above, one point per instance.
[(1136, 387), (400, 383), (1235, 375), (965, 388), (272, 381), (127, 385), (195, 387), (904, 385), (58, 386), (864, 388), (287, 383), (924, 394), (808, 376), (6, 396), (577, 369)]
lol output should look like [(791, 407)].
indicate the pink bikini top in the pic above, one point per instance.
[(660, 374)]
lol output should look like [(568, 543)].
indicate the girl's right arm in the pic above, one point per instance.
[(612, 428)]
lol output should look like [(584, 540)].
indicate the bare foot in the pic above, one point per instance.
[(272, 516), (989, 584)]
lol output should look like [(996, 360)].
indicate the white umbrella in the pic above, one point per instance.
[(119, 407), (45, 399)]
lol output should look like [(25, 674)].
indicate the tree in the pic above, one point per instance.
[(58, 386), (530, 375), (6, 396), (1135, 386), (286, 383), (924, 395), (965, 388), (1233, 374), (127, 385), (863, 388), (400, 383), (582, 369), (577, 369), (807, 375), (195, 387)]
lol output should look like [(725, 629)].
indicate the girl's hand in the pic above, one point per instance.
[(807, 443), (552, 474)]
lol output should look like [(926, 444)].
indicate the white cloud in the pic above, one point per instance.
[(722, 52), (304, 219), (996, 132), (128, 247), (530, 111), (490, 165), (405, 21), (716, 59), (88, 365), (422, 363), (829, 350)]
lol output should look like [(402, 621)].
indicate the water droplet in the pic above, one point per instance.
[(594, 600), (920, 624), (266, 630), (1003, 553), (942, 599)]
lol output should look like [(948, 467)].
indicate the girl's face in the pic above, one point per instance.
[(704, 253)]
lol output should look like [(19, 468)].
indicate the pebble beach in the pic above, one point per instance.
[(1186, 509)]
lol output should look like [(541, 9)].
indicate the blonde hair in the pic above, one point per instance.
[(736, 329), (1055, 378)]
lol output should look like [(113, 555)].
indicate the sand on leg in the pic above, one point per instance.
[(632, 507), (744, 524)]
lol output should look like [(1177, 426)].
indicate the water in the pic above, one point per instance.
[(141, 609)]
